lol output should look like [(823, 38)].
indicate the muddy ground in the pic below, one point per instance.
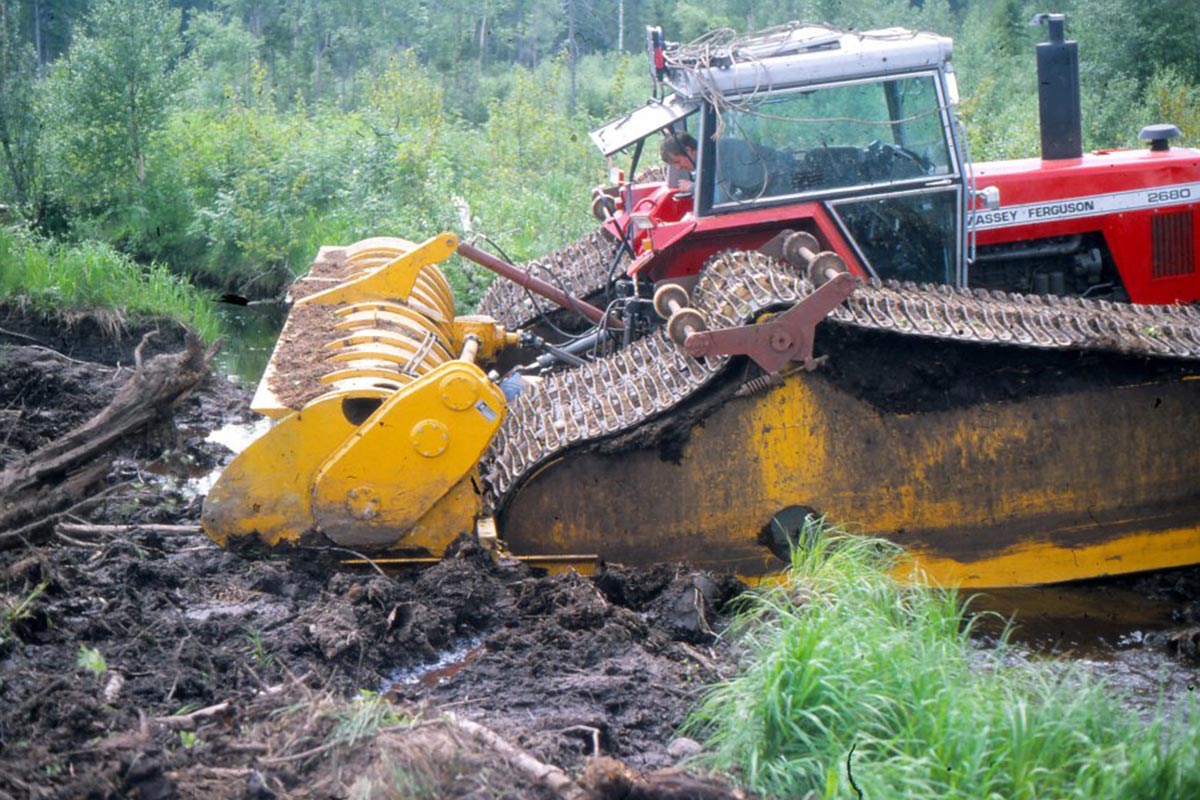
[(152, 664)]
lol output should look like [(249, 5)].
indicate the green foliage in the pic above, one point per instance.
[(90, 659), (257, 649), (227, 58), (102, 105), (18, 121), (15, 610), (232, 143), (1172, 98), (846, 665), (65, 280), (531, 131), (253, 176), (366, 716)]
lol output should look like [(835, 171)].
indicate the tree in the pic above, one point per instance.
[(18, 125), (107, 98)]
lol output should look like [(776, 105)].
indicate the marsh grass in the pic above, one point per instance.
[(366, 716), (63, 281), (846, 666)]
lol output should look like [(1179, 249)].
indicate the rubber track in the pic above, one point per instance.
[(653, 375)]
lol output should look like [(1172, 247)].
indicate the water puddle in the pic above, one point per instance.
[(249, 333), (449, 664), (237, 436), (1110, 631)]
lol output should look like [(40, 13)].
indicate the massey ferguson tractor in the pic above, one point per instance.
[(832, 314)]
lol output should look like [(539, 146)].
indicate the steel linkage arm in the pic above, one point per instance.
[(781, 339), (552, 293)]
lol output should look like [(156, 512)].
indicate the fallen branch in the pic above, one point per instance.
[(85, 529), (18, 335), (699, 657), (312, 751), (588, 729), (545, 775), (180, 722), (216, 772), (36, 530), (609, 779)]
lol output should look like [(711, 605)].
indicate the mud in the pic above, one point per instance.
[(149, 663), (908, 374)]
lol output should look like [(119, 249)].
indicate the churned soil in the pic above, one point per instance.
[(144, 661), (147, 662)]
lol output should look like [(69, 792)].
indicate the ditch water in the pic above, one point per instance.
[(1109, 629), (1112, 631), (248, 336)]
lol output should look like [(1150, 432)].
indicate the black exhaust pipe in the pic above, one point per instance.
[(1058, 92)]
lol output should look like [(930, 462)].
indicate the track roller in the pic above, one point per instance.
[(671, 303)]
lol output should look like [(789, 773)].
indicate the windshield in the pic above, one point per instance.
[(837, 137)]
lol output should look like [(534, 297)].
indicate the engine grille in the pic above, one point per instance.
[(1174, 251)]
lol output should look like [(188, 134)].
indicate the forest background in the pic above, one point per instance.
[(221, 142)]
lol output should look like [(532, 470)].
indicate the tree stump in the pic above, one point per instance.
[(36, 489)]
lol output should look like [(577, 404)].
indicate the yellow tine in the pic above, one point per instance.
[(385, 372), (368, 336), (391, 280), (387, 353), (349, 382), (391, 244), (442, 329), (386, 321), (433, 276)]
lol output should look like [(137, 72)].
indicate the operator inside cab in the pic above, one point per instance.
[(678, 151), (744, 171)]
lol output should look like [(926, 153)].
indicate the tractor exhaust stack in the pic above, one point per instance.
[(1058, 92)]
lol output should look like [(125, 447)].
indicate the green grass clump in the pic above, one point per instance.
[(847, 665), (65, 280)]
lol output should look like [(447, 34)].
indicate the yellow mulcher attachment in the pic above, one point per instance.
[(382, 414)]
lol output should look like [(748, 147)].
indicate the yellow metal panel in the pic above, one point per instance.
[(406, 457), (453, 514), (1044, 489), (266, 491)]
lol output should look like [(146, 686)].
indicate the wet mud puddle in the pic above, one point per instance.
[(1135, 643), (449, 663), (236, 436)]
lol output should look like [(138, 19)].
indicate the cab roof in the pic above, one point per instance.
[(799, 54)]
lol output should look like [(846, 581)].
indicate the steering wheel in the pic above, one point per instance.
[(885, 157)]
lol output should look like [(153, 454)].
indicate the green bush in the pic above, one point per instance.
[(846, 666)]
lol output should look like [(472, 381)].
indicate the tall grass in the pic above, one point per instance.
[(850, 673), (66, 280)]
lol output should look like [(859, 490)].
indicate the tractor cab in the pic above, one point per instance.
[(850, 136)]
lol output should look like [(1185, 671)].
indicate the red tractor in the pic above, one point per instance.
[(983, 401), (854, 138)]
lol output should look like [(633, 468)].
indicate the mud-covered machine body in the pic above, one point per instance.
[(1007, 348)]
